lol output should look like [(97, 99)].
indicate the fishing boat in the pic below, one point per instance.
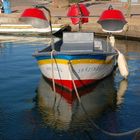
[(79, 58)]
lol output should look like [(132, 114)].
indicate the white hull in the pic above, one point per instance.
[(79, 72)]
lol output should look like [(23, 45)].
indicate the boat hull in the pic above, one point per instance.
[(76, 70)]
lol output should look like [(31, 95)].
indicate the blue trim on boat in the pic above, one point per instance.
[(73, 57)]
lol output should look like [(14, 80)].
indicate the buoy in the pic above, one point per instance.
[(122, 65)]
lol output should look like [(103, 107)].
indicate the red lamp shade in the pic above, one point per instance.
[(35, 17), (112, 20), (78, 10)]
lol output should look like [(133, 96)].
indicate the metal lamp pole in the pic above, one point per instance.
[(50, 23), (129, 8)]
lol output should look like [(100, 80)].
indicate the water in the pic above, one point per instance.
[(30, 110)]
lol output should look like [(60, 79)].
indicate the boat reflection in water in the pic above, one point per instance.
[(61, 109)]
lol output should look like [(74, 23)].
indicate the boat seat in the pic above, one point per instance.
[(77, 42)]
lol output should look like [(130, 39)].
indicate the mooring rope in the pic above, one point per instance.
[(52, 61), (53, 81), (75, 88), (93, 123)]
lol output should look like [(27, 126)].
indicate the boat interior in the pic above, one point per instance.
[(80, 42)]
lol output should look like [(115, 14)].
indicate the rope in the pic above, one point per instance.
[(53, 81), (52, 60), (75, 88), (93, 123)]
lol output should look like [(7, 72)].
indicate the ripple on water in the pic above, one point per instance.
[(110, 104)]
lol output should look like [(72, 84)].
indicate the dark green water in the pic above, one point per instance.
[(29, 110)]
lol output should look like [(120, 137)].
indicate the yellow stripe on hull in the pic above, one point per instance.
[(80, 61)]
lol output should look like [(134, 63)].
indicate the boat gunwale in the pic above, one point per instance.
[(73, 53)]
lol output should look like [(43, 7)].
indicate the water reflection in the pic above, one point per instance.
[(62, 111), (130, 48), (21, 119), (128, 45), (121, 91), (23, 39)]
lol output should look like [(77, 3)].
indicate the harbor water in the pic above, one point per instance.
[(30, 110)]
